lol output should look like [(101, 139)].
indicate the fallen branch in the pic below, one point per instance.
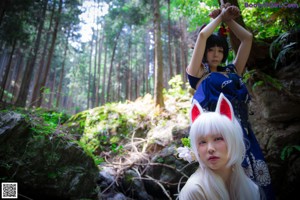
[(160, 185)]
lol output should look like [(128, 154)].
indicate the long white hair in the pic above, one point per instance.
[(223, 122)]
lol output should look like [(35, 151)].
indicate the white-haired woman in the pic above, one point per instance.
[(218, 145)]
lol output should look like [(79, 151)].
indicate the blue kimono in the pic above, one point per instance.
[(232, 86)]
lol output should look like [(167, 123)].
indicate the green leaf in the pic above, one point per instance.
[(186, 142), (258, 83), (288, 150)]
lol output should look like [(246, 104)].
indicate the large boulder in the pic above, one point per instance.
[(45, 166), (275, 122)]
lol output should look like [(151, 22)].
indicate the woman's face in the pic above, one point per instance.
[(213, 151), (214, 56)]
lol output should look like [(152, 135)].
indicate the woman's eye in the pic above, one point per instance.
[(219, 138), (201, 142)]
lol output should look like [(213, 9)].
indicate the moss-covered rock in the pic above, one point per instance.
[(43, 164)]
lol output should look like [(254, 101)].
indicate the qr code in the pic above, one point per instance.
[(9, 190)]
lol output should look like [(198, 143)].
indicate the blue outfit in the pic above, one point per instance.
[(232, 86)]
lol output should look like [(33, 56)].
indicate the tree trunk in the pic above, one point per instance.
[(24, 89), (183, 49), (41, 68), (257, 52), (11, 74), (126, 81), (129, 88), (111, 65), (94, 93), (158, 86), (104, 76), (99, 70), (118, 81), (6, 71), (62, 73), (3, 4), (177, 53), (89, 81), (52, 88), (19, 77), (136, 75), (147, 52), (169, 43), (44, 75)]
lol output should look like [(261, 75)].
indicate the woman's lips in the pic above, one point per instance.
[(213, 158)]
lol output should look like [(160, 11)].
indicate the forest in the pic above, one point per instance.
[(101, 85), (75, 55)]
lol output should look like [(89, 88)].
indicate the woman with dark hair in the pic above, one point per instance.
[(209, 79)]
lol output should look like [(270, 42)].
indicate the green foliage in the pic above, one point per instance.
[(104, 129), (90, 151), (284, 48), (273, 81), (176, 86), (230, 57), (261, 78), (288, 150), (17, 23), (45, 90), (186, 142), (116, 148), (258, 22), (45, 122), (196, 12), (264, 21), (267, 19), (257, 83), (160, 160), (7, 96)]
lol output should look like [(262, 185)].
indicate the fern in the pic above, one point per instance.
[(288, 150), (283, 53), (261, 79), (276, 44), (284, 47)]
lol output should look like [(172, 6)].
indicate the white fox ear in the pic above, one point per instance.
[(196, 110), (224, 107)]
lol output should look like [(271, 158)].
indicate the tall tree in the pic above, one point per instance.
[(118, 81), (89, 76), (99, 69), (52, 87), (95, 68), (108, 97), (41, 66), (169, 43), (147, 62), (3, 5), (62, 73), (6, 71), (24, 89), (104, 73), (130, 74), (183, 49), (19, 75), (43, 77), (158, 86)]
